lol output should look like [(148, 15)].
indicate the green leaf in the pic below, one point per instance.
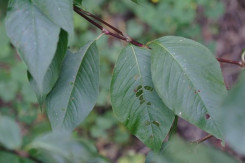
[(4, 46), (34, 36), (59, 11), (76, 91), (78, 2), (135, 1), (179, 151), (53, 72), (8, 90), (189, 81), (233, 114), (8, 157), (9, 133), (60, 147), (134, 100)]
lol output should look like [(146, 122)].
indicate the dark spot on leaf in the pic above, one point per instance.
[(139, 93), (142, 101), (147, 123), (156, 123), (198, 91), (149, 88), (207, 116), (148, 103), (141, 98), (151, 136), (195, 92), (139, 87)]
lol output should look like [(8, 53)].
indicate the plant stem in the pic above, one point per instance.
[(118, 33), (238, 63), (203, 139), (22, 154)]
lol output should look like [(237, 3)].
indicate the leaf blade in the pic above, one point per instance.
[(179, 151), (10, 135), (189, 81), (134, 100), (53, 72), (232, 115), (78, 87), (59, 11), (27, 29)]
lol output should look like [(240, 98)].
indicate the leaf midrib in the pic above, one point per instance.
[(73, 86), (141, 78)]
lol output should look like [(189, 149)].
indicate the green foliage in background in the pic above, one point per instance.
[(73, 73)]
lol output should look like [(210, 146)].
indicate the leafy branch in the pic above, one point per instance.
[(119, 34), (21, 153)]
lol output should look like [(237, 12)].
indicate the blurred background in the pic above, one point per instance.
[(218, 24)]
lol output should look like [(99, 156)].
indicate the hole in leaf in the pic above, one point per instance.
[(139, 93), (207, 116), (141, 98), (149, 88), (156, 123), (138, 88), (142, 101)]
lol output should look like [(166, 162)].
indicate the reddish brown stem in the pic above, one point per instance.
[(98, 19), (118, 33), (203, 139), (238, 63)]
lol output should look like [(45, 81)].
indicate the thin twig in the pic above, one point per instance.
[(118, 33), (238, 63), (22, 154), (98, 19), (203, 139)]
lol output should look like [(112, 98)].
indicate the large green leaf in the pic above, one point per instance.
[(179, 151), (76, 90), (9, 133), (134, 100), (233, 116), (53, 72), (59, 11), (59, 147), (189, 81), (8, 157), (34, 36)]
